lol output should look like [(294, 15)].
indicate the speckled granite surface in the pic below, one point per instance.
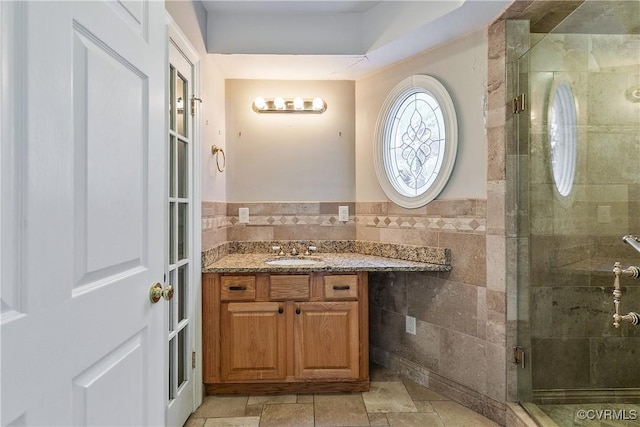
[(339, 255)]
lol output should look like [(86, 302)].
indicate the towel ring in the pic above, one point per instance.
[(216, 152)]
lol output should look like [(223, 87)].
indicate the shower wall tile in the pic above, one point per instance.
[(468, 257), (615, 362), (540, 311), (481, 316), (496, 372), (560, 52), (581, 312), (442, 302), (388, 291), (408, 237), (564, 363), (464, 359), (614, 53), (613, 156), (496, 301), (496, 328), (607, 103), (496, 261), (496, 207)]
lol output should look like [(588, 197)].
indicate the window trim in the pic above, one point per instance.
[(412, 84)]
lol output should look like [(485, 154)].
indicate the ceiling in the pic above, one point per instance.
[(331, 39)]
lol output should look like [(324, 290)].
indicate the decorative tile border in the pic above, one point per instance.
[(459, 224)]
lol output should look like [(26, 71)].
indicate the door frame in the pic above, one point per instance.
[(180, 40)]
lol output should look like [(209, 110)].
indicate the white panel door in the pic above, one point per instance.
[(83, 221)]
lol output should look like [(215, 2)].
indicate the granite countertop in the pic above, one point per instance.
[(254, 263)]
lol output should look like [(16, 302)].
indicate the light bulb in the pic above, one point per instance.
[(279, 103), (298, 103), (318, 104), (260, 103)]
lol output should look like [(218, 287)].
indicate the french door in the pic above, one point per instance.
[(182, 253)]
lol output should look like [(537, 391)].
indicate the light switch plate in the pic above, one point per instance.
[(343, 213), (243, 214)]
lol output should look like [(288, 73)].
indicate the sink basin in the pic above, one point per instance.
[(291, 261)]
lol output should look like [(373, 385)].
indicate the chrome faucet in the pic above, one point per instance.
[(633, 241)]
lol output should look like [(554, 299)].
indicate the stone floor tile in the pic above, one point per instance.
[(380, 374), (233, 422), (419, 392), (305, 398), (195, 422), (419, 419), (423, 406), (340, 410), (378, 419), (253, 410), (272, 399), (221, 406), (287, 415), (454, 414), (388, 397)]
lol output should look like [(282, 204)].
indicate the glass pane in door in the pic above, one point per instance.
[(181, 104)]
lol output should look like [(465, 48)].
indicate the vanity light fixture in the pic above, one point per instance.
[(282, 105)]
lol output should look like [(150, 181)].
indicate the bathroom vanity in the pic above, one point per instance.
[(285, 332), (291, 324)]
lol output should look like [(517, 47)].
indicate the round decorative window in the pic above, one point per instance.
[(416, 140), (562, 138)]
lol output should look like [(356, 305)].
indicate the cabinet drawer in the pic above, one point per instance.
[(237, 288), (341, 287), (289, 287)]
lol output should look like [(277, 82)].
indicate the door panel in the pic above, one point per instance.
[(88, 346), (327, 340), (253, 341)]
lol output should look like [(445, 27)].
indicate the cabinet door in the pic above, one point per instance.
[(252, 341), (327, 344)]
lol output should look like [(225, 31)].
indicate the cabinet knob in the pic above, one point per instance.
[(280, 310), (298, 310)]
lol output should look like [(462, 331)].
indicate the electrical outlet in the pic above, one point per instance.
[(343, 213), (243, 214), (410, 325)]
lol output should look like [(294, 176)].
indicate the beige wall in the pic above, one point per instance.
[(461, 66), (290, 157)]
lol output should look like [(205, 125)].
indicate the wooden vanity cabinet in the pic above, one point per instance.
[(285, 332)]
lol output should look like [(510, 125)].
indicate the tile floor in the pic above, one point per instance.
[(391, 401)]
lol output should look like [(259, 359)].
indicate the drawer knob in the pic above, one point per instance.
[(280, 310), (341, 287), (298, 310), (237, 288)]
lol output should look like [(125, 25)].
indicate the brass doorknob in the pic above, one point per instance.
[(157, 291), (167, 292)]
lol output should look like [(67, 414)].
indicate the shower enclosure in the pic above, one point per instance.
[(578, 195)]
